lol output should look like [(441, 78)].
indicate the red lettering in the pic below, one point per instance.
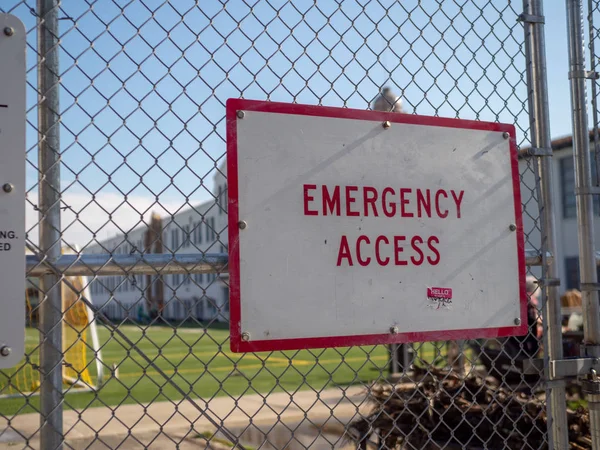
[(350, 200), (458, 201), (413, 243), (392, 205), (404, 201), (437, 203), (362, 262), (423, 203), (331, 201), (382, 262), (398, 249), (344, 252), (308, 198), (434, 250), (370, 199)]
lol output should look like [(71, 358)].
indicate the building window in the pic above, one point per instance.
[(220, 200), (187, 236), (226, 298), (567, 178), (174, 239), (572, 272), (567, 181)]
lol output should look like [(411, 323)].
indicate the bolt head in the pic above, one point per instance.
[(241, 114), (512, 227), (517, 321), (5, 351), (245, 336), (242, 224), (394, 330), (7, 187), (505, 135), (9, 31), (387, 124)]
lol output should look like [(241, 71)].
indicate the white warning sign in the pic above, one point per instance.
[(12, 190)]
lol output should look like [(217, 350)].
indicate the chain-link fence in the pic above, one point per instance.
[(127, 331)]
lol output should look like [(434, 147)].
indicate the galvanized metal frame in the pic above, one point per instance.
[(51, 355), (584, 189), (540, 138)]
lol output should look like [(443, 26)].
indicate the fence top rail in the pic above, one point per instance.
[(155, 263), (107, 264)]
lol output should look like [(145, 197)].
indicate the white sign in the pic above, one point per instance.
[(12, 190), (352, 227)]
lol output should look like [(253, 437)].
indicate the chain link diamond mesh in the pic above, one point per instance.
[(143, 86)]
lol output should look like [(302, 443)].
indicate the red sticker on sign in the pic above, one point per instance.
[(436, 292), (439, 297)]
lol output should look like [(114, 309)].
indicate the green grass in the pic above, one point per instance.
[(200, 363)]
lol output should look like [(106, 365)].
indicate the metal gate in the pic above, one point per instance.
[(127, 208)]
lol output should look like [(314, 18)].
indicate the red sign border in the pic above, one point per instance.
[(238, 345)]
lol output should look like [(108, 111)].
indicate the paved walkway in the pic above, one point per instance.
[(172, 425)]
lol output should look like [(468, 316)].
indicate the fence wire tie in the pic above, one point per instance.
[(587, 190), (589, 74), (590, 286), (537, 151), (548, 282), (530, 18)]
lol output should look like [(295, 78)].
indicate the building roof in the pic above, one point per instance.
[(560, 143), (567, 141)]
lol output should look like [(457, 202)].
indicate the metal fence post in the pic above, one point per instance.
[(51, 357), (540, 138), (585, 218)]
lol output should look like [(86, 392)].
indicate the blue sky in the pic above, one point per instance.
[(143, 107)]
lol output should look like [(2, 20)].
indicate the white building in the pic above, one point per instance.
[(198, 229), (564, 207)]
